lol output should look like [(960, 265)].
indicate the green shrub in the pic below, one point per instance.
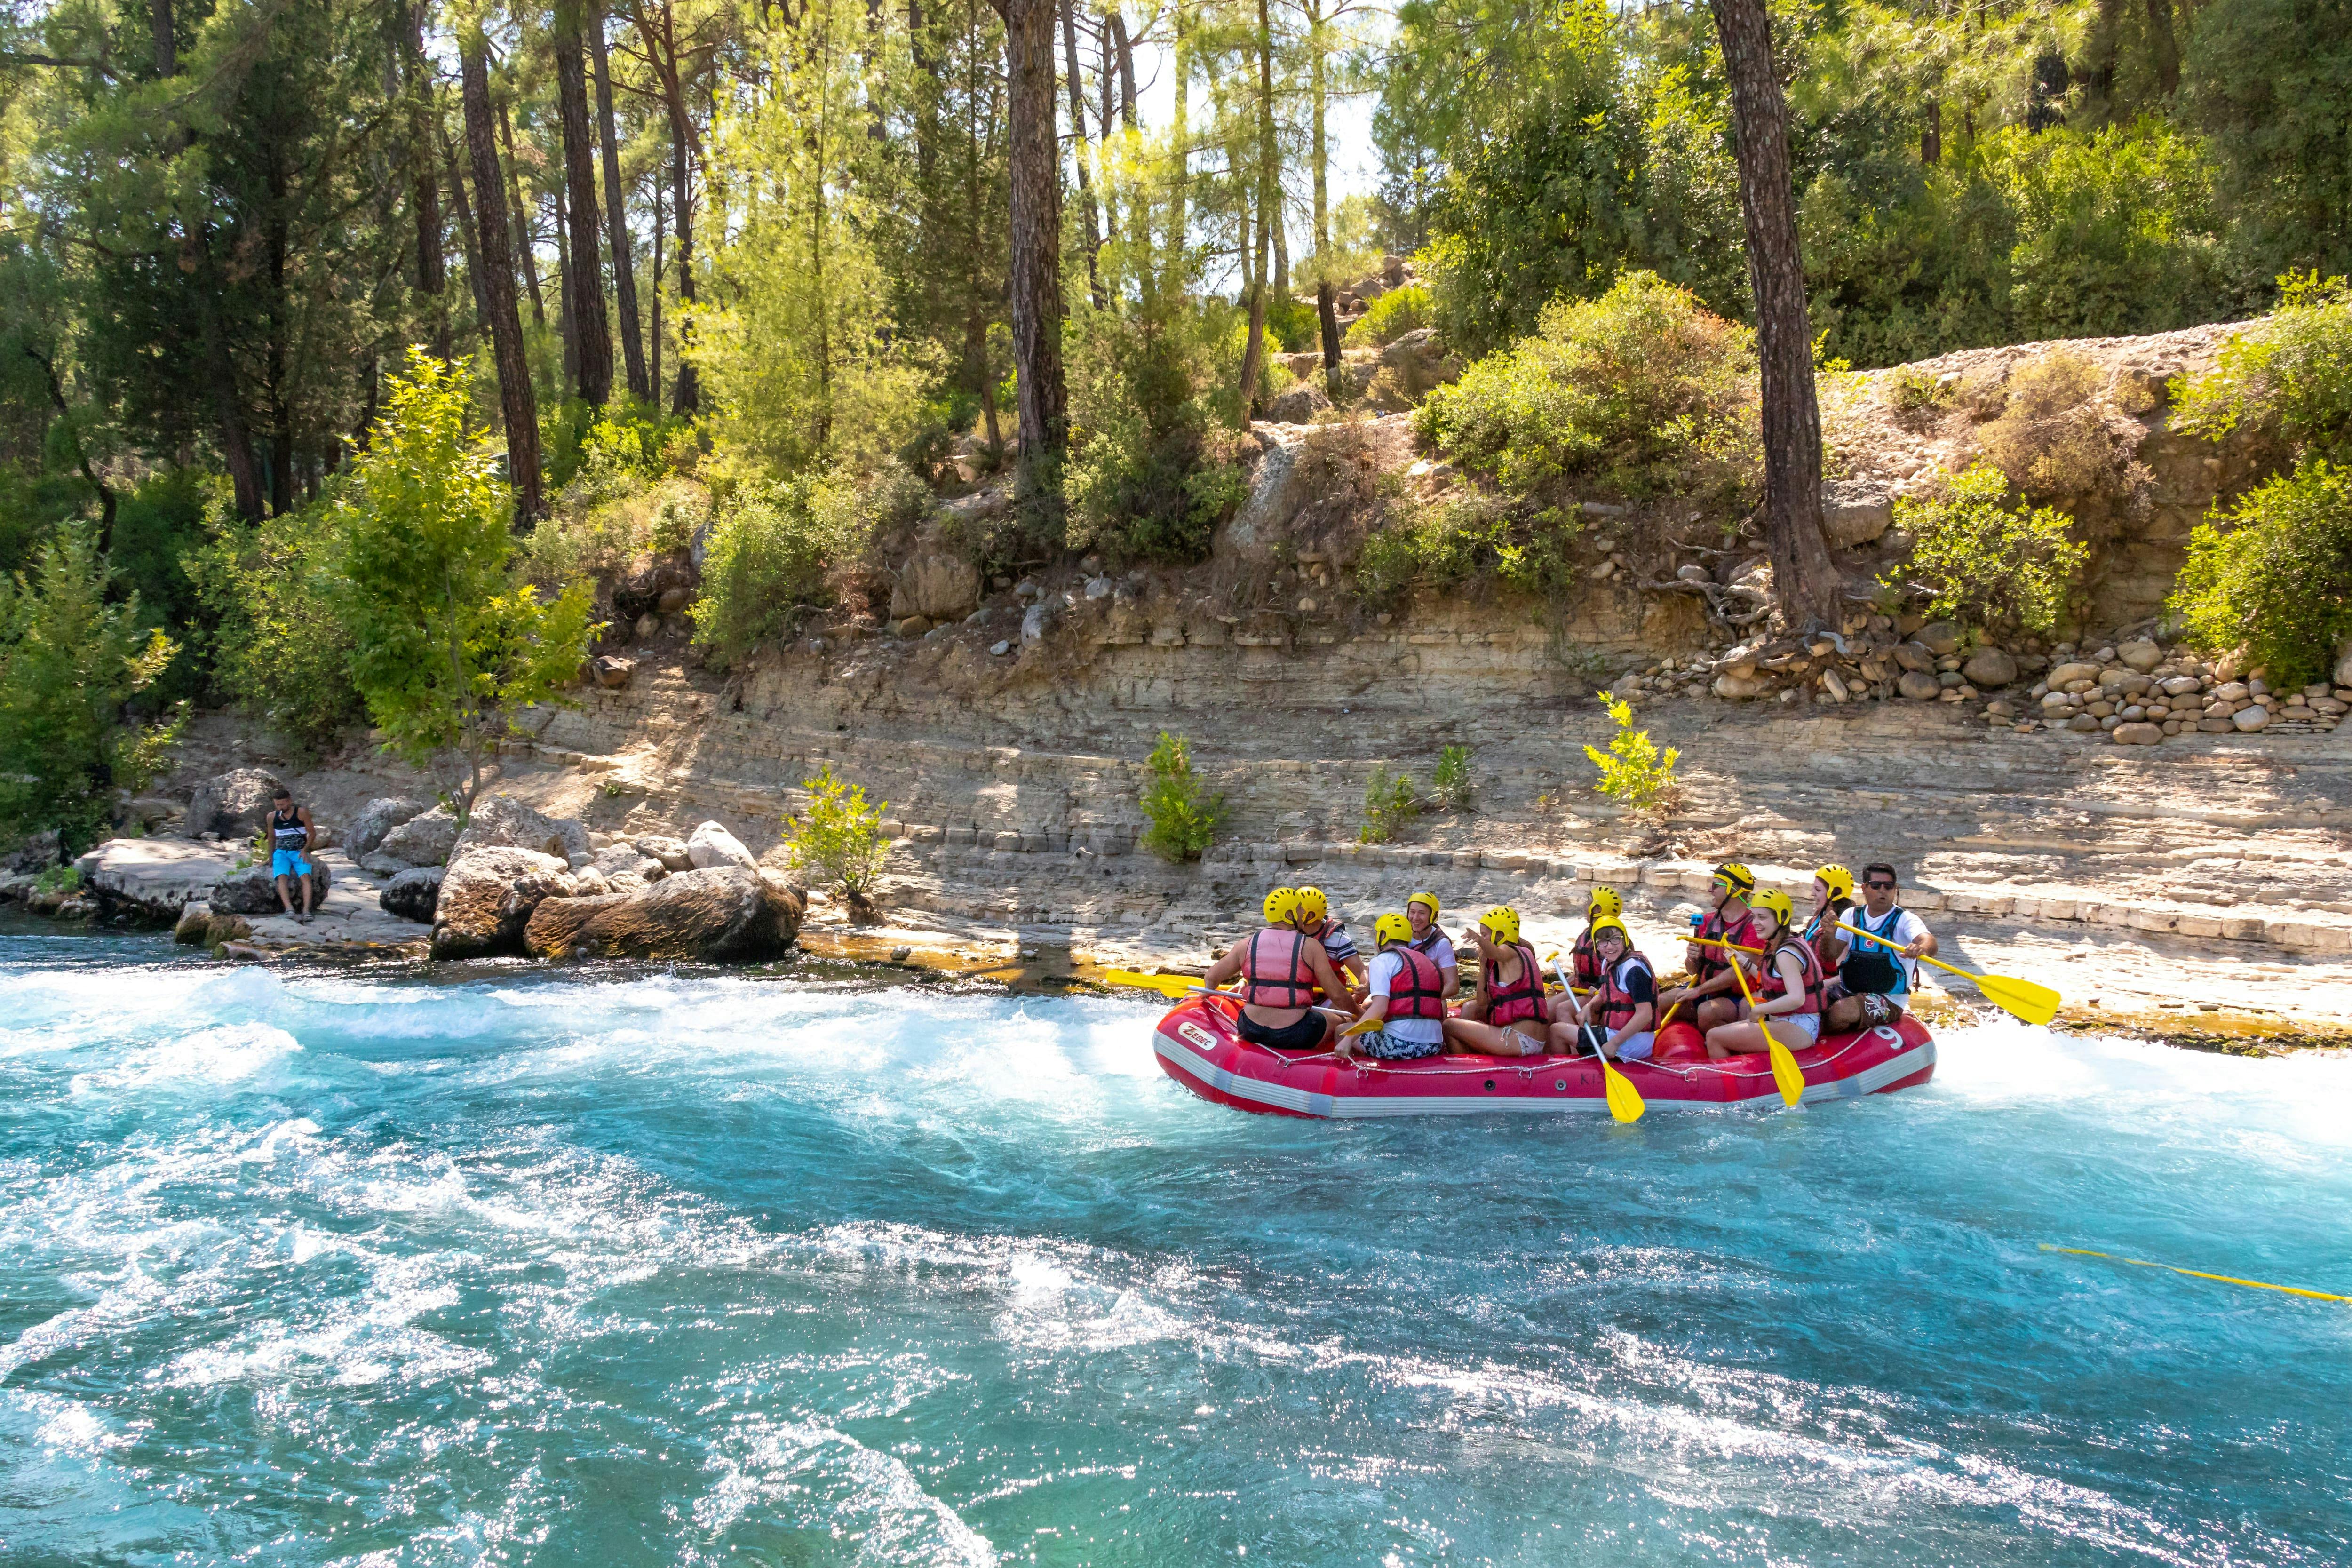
[(1182, 815), (1389, 803), (1450, 784), (775, 551), (1988, 563), (1292, 323), (2050, 436), (1634, 772), (1463, 536), (1151, 470), (2274, 575), (71, 663), (2289, 376), (1642, 389), (1392, 316), (592, 537), (58, 879), (839, 837), (281, 644)]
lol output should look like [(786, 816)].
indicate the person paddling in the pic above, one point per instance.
[(1874, 983), (1404, 995), (1713, 990), (289, 845), (1510, 1015), (1421, 911), (1832, 902), (1317, 922), (1280, 967), (1788, 990), (1619, 1018)]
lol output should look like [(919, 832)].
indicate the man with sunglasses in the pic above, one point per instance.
[(1875, 981)]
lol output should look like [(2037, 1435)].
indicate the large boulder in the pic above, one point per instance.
[(502, 822), (1420, 362), (937, 582), (425, 839), (1989, 667), (34, 856), (488, 896), (412, 895), (253, 892), (711, 844), (724, 914), (376, 818), (625, 859), (670, 852), (1855, 512), (231, 804), (1919, 685), (2343, 666), (1300, 404)]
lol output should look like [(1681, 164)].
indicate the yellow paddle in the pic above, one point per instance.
[(2022, 998), (1786, 1075), (1172, 986), (1624, 1099)]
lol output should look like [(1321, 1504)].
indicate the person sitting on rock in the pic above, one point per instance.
[(1832, 902), (1874, 983), (1790, 988), (290, 831), (1422, 911), (1618, 1017), (1712, 992), (1509, 1015), (1404, 994), (1337, 945), (1281, 969)]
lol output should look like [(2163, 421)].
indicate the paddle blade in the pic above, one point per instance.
[(2034, 1004), (1172, 986), (1786, 1075), (1363, 1027), (1624, 1099)]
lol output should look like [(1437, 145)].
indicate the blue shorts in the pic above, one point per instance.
[(288, 863)]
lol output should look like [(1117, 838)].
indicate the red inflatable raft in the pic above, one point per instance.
[(1201, 1049)]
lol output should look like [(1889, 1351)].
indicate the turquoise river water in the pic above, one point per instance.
[(644, 1269)]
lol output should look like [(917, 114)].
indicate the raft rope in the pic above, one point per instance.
[(2198, 1273)]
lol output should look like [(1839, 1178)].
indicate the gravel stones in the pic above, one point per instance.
[(2073, 670)]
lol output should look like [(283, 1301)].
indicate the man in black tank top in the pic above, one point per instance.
[(288, 829)]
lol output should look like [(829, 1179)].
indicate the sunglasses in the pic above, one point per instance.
[(1878, 884)]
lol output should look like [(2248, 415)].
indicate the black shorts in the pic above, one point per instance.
[(1305, 1035)]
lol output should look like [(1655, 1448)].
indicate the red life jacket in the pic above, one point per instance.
[(1771, 985), (1419, 990), (1821, 932), (1714, 961), (1523, 998), (1584, 969), (1269, 982), (1617, 1003)]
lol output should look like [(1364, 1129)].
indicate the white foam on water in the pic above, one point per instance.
[(820, 1478)]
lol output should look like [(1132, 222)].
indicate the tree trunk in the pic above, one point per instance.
[(1327, 312), (1078, 153), (1253, 350), (661, 49), (566, 329), (617, 216), (1036, 176), (1126, 48), (1318, 150), (167, 44), (653, 336), (525, 238), (466, 237), (1180, 133), (1805, 578), (517, 402), (2164, 46), (583, 294), (1931, 133), (424, 180)]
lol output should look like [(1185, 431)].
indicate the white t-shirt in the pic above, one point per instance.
[(1436, 948), (1907, 930), (1414, 1031)]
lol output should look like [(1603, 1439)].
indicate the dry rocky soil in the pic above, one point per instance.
[(2161, 837)]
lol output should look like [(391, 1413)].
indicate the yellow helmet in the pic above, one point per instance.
[(1391, 928), (1738, 878), (1602, 903), (1608, 924), (1774, 902), (1282, 906), (1502, 922), (1313, 905), (1839, 880), (1429, 898)]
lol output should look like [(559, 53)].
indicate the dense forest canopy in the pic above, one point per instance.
[(796, 251)]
